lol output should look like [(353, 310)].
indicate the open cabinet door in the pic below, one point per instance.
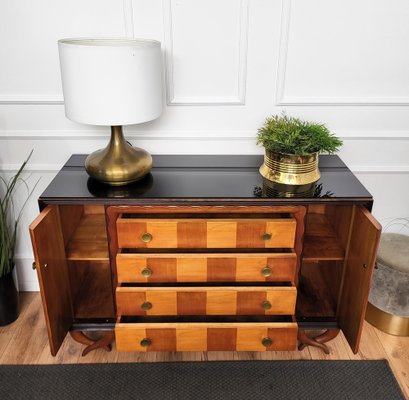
[(49, 254), (358, 268)]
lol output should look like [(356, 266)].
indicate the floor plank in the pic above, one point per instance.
[(25, 342)]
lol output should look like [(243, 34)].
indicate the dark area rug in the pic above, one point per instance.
[(216, 380)]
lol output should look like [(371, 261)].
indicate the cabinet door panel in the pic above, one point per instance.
[(359, 265), (49, 253)]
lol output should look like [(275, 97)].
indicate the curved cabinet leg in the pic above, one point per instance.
[(317, 341), (104, 342)]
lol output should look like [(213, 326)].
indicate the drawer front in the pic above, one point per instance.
[(206, 267), (205, 233), (276, 336), (206, 301)]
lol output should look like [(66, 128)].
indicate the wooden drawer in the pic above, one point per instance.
[(206, 233), (264, 336), (206, 267), (206, 300)]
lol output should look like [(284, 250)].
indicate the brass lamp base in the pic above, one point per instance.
[(119, 163)]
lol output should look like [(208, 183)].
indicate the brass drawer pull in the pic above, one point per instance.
[(266, 236), (146, 272), (266, 271), (266, 342), (146, 305), (146, 237), (266, 305), (145, 342)]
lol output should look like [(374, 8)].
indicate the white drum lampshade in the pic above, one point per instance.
[(113, 82)]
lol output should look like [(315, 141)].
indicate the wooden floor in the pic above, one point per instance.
[(25, 342)]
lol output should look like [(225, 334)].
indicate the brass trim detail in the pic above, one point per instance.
[(266, 236), (266, 271), (266, 342), (34, 265), (145, 342), (290, 169), (386, 322), (146, 237), (266, 305), (146, 272), (146, 306)]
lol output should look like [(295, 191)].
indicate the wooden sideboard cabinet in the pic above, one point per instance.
[(204, 255)]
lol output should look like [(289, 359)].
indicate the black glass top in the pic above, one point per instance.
[(205, 178)]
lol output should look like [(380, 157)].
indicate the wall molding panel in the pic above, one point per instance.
[(213, 135), (282, 99), (175, 99)]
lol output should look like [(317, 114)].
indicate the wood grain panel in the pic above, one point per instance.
[(49, 253), (221, 339), (282, 231), (163, 302), (129, 234), (282, 267), (164, 234), (282, 302), (191, 235), (89, 240), (221, 234), (250, 303), (249, 234), (221, 302), (191, 303), (187, 267), (206, 336), (191, 339), (358, 268), (163, 269), (205, 300), (283, 339), (126, 340), (250, 338), (191, 269), (161, 339), (129, 269), (129, 303), (210, 233), (221, 269)]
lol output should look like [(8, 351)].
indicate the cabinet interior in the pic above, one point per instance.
[(86, 247), (326, 238)]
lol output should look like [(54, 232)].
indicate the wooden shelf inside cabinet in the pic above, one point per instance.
[(89, 241), (320, 240)]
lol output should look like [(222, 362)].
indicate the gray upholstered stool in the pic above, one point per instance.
[(388, 307)]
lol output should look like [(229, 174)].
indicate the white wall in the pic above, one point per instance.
[(229, 64)]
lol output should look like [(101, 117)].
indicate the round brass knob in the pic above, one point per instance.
[(266, 342), (266, 236), (145, 342), (146, 305), (266, 305), (146, 272), (266, 271), (146, 237)]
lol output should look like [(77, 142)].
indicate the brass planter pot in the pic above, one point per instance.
[(290, 169)]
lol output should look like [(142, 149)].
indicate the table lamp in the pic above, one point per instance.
[(113, 82)]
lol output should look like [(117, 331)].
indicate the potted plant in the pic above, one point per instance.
[(292, 147), (9, 219)]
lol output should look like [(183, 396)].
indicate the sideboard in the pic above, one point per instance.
[(204, 255)]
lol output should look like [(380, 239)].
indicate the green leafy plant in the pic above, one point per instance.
[(290, 135), (10, 217)]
